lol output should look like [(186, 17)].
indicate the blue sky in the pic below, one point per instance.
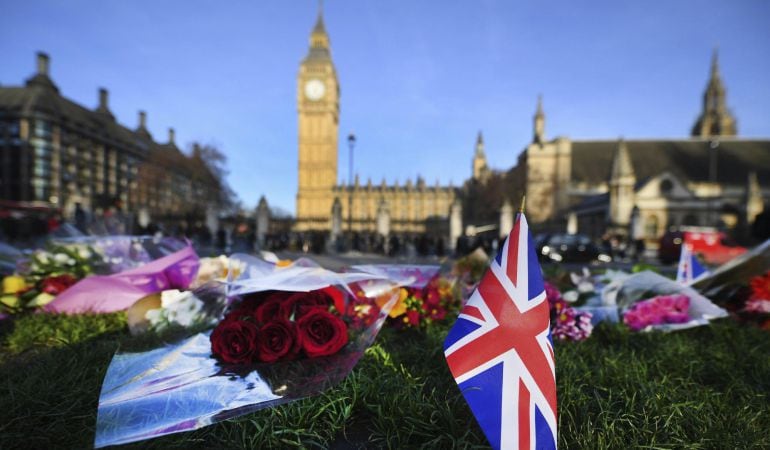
[(418, 79)]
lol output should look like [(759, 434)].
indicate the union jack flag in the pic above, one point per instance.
[(500, 350), (689, 269)]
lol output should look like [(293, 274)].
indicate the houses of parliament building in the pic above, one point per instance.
[(325, 206)]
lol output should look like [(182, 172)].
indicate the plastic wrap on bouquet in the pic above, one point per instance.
[(121, 253), (405, 275), (183, 387), (303, 275), (647, 284), (727, 279), (111, 293)]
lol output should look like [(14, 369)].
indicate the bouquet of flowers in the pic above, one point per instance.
[(45, 274), (657, 302), (567, 323), (286, 333), (663, 309), (425, 296), (757, 307), (281, 326), (418, 308)]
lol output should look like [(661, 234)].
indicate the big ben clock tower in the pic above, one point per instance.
[(318, 109)]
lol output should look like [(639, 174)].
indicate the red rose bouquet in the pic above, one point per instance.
[(281, 326), (287, 332)]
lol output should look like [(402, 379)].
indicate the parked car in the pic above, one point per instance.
[(567, 248), (714, 246)]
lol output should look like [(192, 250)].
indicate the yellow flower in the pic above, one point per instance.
[(13, 284), (283, 263), (400, 307)]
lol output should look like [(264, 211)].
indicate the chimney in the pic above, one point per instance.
[(43, 62), (104, 96), (170, 135), (142, 120)]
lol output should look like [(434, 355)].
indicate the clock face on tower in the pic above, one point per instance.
[(315, 89)]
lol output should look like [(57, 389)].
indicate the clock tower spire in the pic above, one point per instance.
[(318, 112)]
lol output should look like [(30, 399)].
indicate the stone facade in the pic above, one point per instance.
[(56, 153), (644, 187), (381, 209)]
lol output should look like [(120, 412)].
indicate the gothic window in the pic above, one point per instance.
[(666, 186), (651, 227)]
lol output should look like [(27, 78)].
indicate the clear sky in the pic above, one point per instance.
[(418, 79)]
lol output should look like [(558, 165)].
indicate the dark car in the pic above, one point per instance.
[(568, 248)]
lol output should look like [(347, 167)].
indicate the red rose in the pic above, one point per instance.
[(278, 340), (269, 310), (234, 341), (322, 333), (300, 303), (57, 285)]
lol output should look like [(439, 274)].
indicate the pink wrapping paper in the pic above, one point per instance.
[(111, 293)]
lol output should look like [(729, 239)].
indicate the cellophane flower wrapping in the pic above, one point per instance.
[(646, 285), (183, 386), (425, 296), (65, 261), (113, 254)]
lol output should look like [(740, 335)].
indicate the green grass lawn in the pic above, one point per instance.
[(707, 387)]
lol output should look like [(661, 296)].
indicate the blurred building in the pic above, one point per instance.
[(322, 203), (642, 187), (57, 153)]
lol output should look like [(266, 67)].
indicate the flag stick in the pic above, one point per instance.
[(523, 202)]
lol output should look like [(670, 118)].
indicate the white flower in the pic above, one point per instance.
[(570, 296), (182, 308), (156, 317), (170, 297), (583, 283), (42, 257), (61, 258), (84, 253)]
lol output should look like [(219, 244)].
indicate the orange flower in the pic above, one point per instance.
[(399, 308)]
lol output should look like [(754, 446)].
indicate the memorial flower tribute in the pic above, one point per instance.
[(284, 333)]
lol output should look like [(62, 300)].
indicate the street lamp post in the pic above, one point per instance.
[(351, 145), (713, 214)]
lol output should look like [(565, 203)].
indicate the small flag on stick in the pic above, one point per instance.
[(690, 269), (500, 350)]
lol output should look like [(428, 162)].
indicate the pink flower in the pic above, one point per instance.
[(571, 325), (657, 311)]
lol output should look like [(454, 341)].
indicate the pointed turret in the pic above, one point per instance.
[(319, 39), (622, 181), (480, 145), (621, 164), (480, 169), (538, 136), (715, 119)]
